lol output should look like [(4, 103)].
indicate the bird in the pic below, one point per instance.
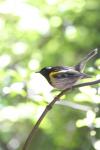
[(63, 77)]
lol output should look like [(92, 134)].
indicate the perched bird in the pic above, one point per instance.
[(62, 77)]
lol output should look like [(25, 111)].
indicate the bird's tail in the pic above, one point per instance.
[(80, 66)]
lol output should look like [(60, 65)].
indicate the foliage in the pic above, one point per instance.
[(42, 33)]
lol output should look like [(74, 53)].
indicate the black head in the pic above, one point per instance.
[(45, 72)]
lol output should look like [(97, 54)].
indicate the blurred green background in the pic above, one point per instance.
[(38, 33)]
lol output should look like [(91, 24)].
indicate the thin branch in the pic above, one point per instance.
[(49, 107)]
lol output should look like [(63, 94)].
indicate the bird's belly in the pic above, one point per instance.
[(62, 84)]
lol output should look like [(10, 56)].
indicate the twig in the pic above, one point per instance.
[(49, 107)]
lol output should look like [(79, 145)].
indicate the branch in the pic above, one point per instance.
[(49, 107)]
